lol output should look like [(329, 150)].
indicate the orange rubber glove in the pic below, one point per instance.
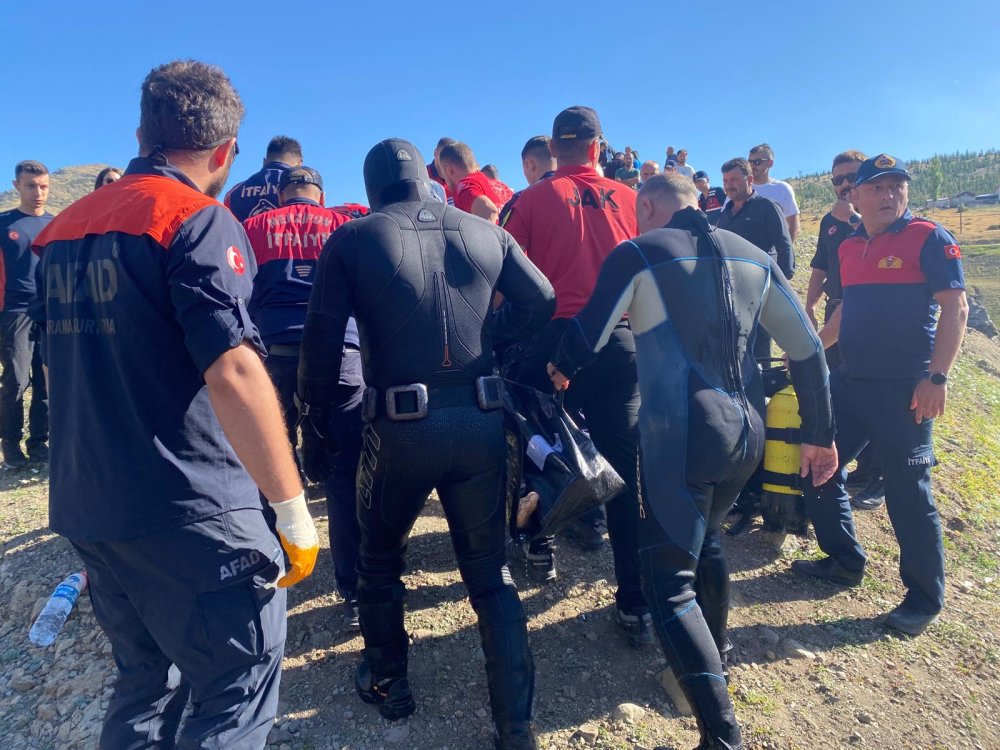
[(298, 537)]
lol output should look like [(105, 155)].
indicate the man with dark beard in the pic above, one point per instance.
[(167, 428)]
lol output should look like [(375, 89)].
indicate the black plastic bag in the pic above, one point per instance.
[(556, 459)]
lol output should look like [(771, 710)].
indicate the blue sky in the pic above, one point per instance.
[(809, 78)]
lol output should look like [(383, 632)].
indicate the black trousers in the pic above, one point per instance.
[(191, 621), (680, 534), (607, 392), (21, 362), (460, 452), (345, 426)]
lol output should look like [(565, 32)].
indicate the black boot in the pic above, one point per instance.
[(515, 735), (381, 676), (714, 712), (510, 671), (390, 693)]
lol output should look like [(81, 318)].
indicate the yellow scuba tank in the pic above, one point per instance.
[(782, 506), (781, 451)]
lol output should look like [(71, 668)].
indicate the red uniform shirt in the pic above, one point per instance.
[(475, 184), (567, 225)]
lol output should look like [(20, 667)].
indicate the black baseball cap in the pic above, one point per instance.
[(701, 174), (580, 123), (878, 166), (300, 176)]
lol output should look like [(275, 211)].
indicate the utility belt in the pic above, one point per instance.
[(293, 350), (405, 403)]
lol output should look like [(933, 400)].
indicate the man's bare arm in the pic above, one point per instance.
[(793, 226), (247, 407), (484, 208), (814, 293), (831, 331), (929, 399)]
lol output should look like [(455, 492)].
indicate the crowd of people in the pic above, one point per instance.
[(205, 360)]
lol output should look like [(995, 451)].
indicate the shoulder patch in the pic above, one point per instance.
[(953, 252), (425, 215)]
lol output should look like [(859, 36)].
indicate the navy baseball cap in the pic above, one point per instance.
[(878, 166), (670, 163), (576, 123), (300, 176), (701, 174)]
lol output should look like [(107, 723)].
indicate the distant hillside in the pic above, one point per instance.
[(976, 172), (68, 184)]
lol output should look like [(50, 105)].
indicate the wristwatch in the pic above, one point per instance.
[(938, 378)]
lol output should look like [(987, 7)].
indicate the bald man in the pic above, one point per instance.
[(695, 296)]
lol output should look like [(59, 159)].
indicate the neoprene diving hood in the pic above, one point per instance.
[(389, 163)]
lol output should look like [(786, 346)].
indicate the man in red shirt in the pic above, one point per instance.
[(567, 225), (473, 191)]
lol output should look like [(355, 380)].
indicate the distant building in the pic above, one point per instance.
[(988, 199)]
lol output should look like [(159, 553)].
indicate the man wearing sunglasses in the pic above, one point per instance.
[(761, 160), (900, 328), (835, 227), (166, 425)]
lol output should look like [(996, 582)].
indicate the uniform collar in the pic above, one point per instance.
[(688, 218), (575, 169), (896, 227), (301, 202), (159, 166), (548, 174)]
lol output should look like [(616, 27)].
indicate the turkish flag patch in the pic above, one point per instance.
[(13, 235), (236, 262), (952, 252)]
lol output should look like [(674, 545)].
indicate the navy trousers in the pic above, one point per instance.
[(345, 425), (877, 411), (191, 620), (21, 366)]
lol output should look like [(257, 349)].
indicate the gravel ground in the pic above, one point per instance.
[(814, 666)]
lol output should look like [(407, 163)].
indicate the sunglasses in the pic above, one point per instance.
[(758, 162), (839, 180)]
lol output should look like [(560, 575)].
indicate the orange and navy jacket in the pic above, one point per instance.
[(567, 225), (142, 285), (17, 262), (286, 243), (889, 313), (257, 193)]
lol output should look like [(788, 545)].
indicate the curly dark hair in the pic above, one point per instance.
[(188, 105)]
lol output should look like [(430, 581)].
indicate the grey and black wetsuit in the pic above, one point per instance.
[(696, 297), (420, 278)]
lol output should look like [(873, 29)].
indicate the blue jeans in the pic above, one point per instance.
[(878, 411)]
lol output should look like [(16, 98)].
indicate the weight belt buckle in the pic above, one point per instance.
[(489, 392), (404, 403)]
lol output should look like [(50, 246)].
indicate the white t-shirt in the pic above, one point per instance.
[(687, 170), (781, 193)]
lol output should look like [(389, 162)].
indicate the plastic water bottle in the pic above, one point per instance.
[(57, 609)]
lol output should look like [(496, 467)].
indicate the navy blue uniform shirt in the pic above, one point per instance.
[(17, 263), (889, 313), (143, 284), (258, 192)]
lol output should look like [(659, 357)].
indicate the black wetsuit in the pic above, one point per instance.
[(420, 277), (701, 426)]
